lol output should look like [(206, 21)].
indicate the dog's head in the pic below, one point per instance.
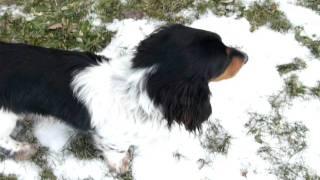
[(185, 60)]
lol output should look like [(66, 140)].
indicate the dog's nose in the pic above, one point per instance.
[(237, 53), (245, 57)]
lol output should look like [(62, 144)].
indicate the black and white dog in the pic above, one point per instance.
[(152, 101)]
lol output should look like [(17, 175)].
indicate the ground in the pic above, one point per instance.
[(265, 119)]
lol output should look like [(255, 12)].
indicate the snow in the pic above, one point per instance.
[(309, 113), (23, 170), (232, 100), (15, 11), (69, 167), (59, 134), (297, 15)]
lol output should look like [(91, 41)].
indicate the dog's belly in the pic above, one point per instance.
[(148, 136)]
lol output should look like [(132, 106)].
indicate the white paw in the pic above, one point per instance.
[(120, 162), (18, 151), (26, 151)]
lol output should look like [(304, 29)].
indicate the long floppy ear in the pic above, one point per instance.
[(185, 101)]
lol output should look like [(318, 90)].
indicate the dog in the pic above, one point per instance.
[(148, 107)]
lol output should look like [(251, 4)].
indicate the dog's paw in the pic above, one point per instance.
[(25, 152), (119, 163)]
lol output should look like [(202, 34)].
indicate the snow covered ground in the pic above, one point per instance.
[(233, 101)]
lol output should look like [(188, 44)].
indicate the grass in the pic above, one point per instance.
[(7, 2), (293, 87), (162, 9), (109, 9), (47, 174), (216, 139), (8, 177), (313, 45), (82, 147), (40, 159), (65, 24), (273, 124), (220, 8), (315, 91), (272, 130), (267, 13), (288, 137), (56, 24), (23, 133), (312, 4), (165, 10), (297, 64), (127, 176)]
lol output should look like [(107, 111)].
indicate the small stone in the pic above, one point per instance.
[(133, 14), (55, 26)]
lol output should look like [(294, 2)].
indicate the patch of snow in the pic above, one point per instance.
[(16, 11), (95, 19), (297, 16), (129, 33), (308, 112), (69, 167), (250, 89), (233, 99), (23, 170), (309, 75), (52, 133), (189, 14)]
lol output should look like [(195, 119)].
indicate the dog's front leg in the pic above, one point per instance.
[(118, 161)]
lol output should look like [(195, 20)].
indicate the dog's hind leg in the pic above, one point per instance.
[(8, 146)]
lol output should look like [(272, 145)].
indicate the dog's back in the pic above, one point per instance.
[(37, 80)]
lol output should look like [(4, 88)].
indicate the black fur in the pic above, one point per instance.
[(37, 80), (185, 60)]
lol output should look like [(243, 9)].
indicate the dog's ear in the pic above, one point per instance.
[(186, 102)]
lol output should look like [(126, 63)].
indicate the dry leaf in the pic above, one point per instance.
[(55, 26)]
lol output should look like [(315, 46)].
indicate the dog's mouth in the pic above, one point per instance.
[(238, 59)]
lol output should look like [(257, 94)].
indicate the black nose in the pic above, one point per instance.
[(245, 57), (237, 53)]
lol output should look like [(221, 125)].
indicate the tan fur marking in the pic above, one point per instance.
[(231, 70)]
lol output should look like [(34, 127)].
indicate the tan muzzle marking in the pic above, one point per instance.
[(233, 68)]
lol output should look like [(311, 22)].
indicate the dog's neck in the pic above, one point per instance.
[(113, 90), (133, 93)]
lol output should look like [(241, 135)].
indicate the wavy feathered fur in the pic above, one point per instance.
[(151, 99)]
